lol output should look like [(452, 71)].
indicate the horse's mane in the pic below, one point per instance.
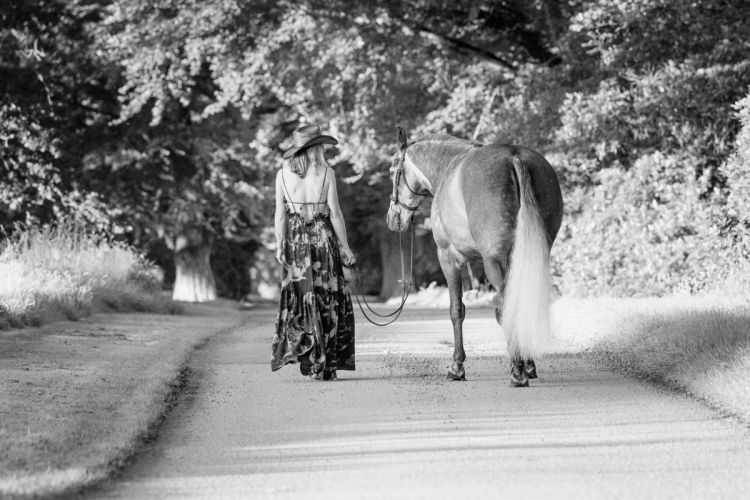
[(439, 148)]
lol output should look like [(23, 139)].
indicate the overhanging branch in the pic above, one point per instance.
[(465, 47), (456, 43)]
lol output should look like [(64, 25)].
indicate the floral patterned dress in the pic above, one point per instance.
[(315, 323)]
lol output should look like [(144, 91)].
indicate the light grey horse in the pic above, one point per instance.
[(499, 203)]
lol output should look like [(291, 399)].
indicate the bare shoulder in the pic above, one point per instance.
[(331, 176)]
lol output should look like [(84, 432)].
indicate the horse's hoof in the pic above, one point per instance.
[(518, 376), (456, 373), (530, 368)]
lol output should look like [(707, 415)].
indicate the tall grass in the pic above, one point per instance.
[(63, 272), (697, 344)]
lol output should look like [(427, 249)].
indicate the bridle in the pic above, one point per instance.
[(400, 173), (406, 283)]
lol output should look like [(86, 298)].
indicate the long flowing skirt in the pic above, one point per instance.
[(315, 323)]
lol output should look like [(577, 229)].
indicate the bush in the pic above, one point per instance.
[(737, 172), (146, 276), (652, 204), (646, 231), (62, 272)]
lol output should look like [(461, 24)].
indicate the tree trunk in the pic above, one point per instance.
[(553, 14), (194, 280), (391, 260), (264, 275)]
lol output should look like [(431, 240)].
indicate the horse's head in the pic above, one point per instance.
[(408, 189)]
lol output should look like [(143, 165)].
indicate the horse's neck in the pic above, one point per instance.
[(433, 160), (425, 175)]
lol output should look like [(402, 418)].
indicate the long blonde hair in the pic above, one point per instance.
[(314, 155)]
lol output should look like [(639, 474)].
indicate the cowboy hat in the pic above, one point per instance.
[(306, 136)]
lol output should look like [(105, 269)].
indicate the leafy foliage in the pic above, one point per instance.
[(641, 144), (162, 122), (737, 176), (51, 104)]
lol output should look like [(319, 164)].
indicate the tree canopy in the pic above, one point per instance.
[(162, 122)]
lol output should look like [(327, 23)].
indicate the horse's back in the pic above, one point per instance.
[(491, 191)]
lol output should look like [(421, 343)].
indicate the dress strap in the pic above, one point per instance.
[(322, 188), (283, 182)]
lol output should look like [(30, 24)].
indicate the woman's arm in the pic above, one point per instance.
[(279, 218), (337, 220)]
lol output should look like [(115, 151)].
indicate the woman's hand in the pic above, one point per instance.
[(347, 256), (279, 255)]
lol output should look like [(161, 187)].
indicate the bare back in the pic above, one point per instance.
[(306, 195)]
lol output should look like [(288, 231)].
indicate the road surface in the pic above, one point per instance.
[(396, 428)]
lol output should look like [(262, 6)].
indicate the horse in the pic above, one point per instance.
[(500, 203)]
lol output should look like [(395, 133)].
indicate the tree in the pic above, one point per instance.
[(178, 165), (645, 126), (737, 175), (163, 121), (208, 94), (390, 65), (54, 97)]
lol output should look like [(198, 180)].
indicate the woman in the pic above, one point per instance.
[(315, 325)]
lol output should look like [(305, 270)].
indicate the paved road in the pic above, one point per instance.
[(396, 429)]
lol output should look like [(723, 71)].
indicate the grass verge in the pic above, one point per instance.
[(700, 345), (78, 398)]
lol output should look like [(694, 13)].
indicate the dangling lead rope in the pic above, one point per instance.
[(406, 287), (403, 281)]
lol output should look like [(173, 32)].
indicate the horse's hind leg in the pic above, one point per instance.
[(530, 368), (457, 312), (520, 370)]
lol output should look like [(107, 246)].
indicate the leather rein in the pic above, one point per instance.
[(406, 290), (406, 284)]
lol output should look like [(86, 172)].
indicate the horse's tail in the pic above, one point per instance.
[(528, 285)]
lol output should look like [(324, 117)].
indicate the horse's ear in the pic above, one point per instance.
[(402, 138)]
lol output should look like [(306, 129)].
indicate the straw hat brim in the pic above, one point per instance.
[(320, 139)]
